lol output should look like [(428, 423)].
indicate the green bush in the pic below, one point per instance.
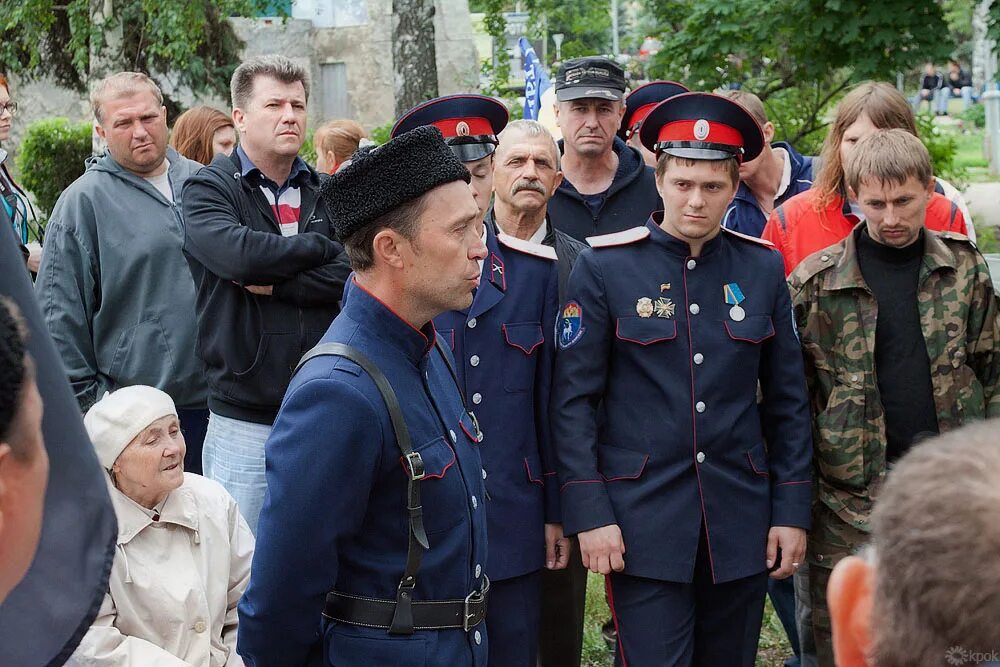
[(308, 150), (943, 149), (975, 115), (51, 156), (380, 134)]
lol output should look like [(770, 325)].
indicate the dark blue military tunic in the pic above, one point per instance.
[(503, 346), (679, 441), (335, 513)]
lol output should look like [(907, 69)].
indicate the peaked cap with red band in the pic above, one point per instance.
[(641, 101), (469, 123), (702, 126)]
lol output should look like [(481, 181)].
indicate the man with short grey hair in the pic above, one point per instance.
[(268, 271), (113, 285), (527, 170)]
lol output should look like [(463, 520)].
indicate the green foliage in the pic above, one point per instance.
[(191, 40), (800, 115), (308, 150), (51, 156), (975, 115), (496, 70), (380, 135), (785, 43), (943, 149), (958, 17), (586, 25)]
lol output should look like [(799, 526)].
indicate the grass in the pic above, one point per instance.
[(772, 649)]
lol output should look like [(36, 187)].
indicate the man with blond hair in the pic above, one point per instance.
[(113, 286), (903, 602), (899, 333)]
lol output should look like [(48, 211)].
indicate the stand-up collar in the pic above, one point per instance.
[(370, 312), (674, 244)]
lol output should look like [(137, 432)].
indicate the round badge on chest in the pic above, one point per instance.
[(737, 314)]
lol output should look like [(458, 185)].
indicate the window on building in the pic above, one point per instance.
[(332, 13), (336, 99)]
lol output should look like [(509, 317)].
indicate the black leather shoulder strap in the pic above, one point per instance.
[(402, 621)]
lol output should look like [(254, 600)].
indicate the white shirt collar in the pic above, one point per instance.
[(786, 172)]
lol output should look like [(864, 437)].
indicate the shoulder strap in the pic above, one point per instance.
[(402, 619)]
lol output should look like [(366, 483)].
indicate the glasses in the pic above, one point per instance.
[(10, 107)]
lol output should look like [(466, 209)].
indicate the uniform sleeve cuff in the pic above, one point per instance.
[(791, 504), (585, 506)]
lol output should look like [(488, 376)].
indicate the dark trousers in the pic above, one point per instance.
[(512, 621), (782, 594), (194, 423), (564, 596), (669, 624)]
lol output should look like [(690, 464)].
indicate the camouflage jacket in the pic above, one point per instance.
[(836, 314)]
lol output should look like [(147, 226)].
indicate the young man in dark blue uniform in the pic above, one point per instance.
[(503, 346), (666, 480), (380, 515)]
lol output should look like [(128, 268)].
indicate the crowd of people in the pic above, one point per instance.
[(390, 409)]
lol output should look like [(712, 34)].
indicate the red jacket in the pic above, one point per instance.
[(798, 230)]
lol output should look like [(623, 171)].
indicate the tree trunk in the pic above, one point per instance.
[(414, 55), (102, 61)]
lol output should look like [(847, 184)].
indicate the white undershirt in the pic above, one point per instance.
[(162, 182), (539, 234), (786, 172)]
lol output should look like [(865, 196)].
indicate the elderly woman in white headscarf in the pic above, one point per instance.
[(183, 553)]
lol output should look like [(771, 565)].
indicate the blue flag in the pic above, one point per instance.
[(536, 81)]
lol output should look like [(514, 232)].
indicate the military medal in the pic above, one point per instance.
[(664, 287), (644, 306), (734, 297), (664, 308)]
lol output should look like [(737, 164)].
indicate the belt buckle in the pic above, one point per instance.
[(471, 598), (415, 466)]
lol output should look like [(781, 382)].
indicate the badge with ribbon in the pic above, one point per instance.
[(734, 297)]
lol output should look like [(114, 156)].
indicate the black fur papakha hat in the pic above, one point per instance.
[(380, 178), (12, 364)]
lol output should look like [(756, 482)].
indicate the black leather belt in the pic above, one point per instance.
[(427, 615)]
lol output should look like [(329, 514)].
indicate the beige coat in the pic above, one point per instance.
[(174, 584)]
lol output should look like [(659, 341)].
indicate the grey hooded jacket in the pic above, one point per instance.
[(115, 289)]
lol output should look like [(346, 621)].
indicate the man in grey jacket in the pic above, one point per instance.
[(114, 287)]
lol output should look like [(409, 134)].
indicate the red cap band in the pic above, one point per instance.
[(463, 127), (695, 130), (640, 114)]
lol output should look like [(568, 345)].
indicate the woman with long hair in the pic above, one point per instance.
[(201, 133), (335, 142), (824, 215)]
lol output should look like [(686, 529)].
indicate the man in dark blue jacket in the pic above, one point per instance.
[(268, 273), (666, 480), (775, 176), (606, 187), (378, 505), (504, 351)]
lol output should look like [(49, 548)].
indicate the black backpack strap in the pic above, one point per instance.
[(402, 619)]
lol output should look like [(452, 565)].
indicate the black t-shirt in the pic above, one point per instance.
[(902, 366)]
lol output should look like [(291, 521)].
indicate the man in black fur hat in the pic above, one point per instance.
[(373, 529)]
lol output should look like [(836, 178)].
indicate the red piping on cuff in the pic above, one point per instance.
[(808, 481)]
